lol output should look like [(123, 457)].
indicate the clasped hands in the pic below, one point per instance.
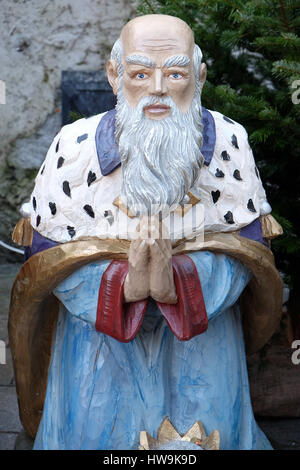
[(150, 264)]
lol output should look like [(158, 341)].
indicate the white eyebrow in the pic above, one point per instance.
[(137, 59), (177, 61)]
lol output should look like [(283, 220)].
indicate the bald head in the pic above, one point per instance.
[(159, 33), (156, 56)]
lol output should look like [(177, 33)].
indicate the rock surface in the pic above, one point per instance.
[(38, 41)]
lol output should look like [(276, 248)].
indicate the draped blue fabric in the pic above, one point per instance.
[(101, 393)]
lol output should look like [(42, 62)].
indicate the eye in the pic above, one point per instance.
[(176, 75), (141, 76)]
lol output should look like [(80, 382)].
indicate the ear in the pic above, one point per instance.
[(202, 74), (112, 75)]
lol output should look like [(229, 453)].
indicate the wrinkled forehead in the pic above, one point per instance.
[(157, 37)]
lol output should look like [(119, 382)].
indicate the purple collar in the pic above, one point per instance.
[(108, 150)]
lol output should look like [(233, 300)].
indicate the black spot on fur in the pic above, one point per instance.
[(229, 217), (250, 206), (60, 162), (34, 203), (38, 220), (52, 206), (234, 141), (57, 146), (109, 217), (91, 178), (219, 173), (215, 195), (89, 210), (225, 155), (43, 170), (228, 120), (237, 176), (66, 188), (71, 231), (82, 137)]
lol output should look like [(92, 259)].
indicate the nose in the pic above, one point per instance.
[(158, 87)]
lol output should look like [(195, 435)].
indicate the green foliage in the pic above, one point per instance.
[(252, 51)]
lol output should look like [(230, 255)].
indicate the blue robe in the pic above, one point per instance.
[(101, 393)]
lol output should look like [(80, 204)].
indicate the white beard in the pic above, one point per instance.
[(161, 160)]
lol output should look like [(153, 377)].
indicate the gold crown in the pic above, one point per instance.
[(168, 433)]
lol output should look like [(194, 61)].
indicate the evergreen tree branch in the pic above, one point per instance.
[(232, 5), (286, 68), (252, 50), (150, 6), (285, 20)]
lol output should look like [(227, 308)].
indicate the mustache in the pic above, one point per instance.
[(131, 118), (150, 100)]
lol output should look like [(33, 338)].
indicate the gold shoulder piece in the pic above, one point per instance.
[(270, 227), (23, 232), (193, 198), (118, 203)]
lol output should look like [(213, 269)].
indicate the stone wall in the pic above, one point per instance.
[(39, 39)]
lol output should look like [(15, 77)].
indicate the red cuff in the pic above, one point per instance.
[(122, 320), (115, 317), (187, 318)]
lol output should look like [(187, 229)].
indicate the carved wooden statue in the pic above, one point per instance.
[(148, 262)]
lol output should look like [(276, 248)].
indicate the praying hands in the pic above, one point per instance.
[(150, 264)]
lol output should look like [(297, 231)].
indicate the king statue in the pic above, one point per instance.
[(148, 273)]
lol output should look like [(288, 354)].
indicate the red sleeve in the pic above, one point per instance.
[(186, 318), (115, 317)]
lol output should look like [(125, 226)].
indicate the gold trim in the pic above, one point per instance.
[(270, 227), (182, 210), (193, 198), (118, 203), (23, 232)]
